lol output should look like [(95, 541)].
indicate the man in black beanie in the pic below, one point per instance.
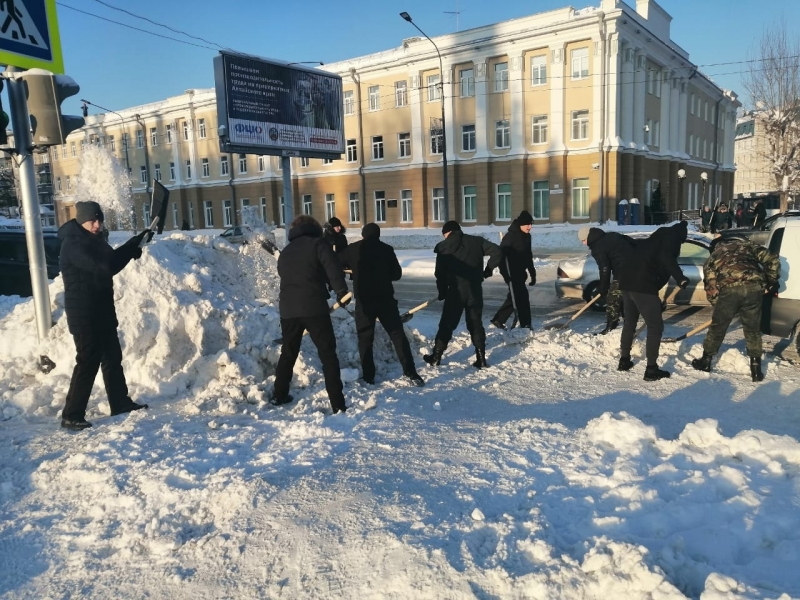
[(88, 265), (375, 267), (459, 279), (334, 234), (517, 263)]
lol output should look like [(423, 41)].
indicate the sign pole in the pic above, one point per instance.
[(288, 201), (20, 120)]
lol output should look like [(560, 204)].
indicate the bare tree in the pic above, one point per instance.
[(773, 83), (8, 191)]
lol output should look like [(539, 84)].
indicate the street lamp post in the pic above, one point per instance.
[(704, 178), (681, 180), (446, 212), (124, 142)]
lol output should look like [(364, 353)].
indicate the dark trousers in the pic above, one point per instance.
[(96, 349), (649, 307), (523, 305), (467, 300), (320, 329), (389, 317), (746, 301)]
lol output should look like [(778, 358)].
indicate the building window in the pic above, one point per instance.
[(146, 215), (580, 63), (648, 132), (467, 77), (377, 147), (468, 138), (208, 211), (172, 171), (139, 139), (83, 146), (539, 129), (433, 88), (223, 165), (307, 204), (354, 208), (400, 93), (541, 199), (174, 215), (112, 144), (143, 174), (352, 151), (404, 145), (58, 184), (304, 161), (227, 213), (68, 182), (691, 144), (380, 207), (191, 215), (539, 70), (349, 103), (262, 203), (657, 133), (63, 151), (186, 130), (501, 77), (406, 214), (206, 168), (157, 168), (330, 206), (580, 124), (470, 200), (437, 205), (282, 215), (243, 163), (374, 97), (153, 136), (580, 198), (188, 169), (502, 134), (437, 141), (691, 105), (201, 126), (706, 111), (503, 201), (262, 163), (73, 149), (327, 161)]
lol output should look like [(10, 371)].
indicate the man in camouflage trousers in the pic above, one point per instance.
[(737, 275)]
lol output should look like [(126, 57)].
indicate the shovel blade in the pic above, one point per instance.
[(406, 317)]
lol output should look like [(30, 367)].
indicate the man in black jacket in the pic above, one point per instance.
[(759, 212), (334, 234), (609, 250), (375, 267), (648, 269), (459, 279), (306, 264), (88, 265), (515, 266)]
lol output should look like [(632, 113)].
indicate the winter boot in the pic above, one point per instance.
[(703, 363), (625, 364), (653, 373), (435, 358), (480, 359), (275, 401), (498, 324), (75, 425), (129, 406), (415, 379), (611, 325), (755, 369)]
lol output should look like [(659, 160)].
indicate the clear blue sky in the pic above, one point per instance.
[(118, 67)]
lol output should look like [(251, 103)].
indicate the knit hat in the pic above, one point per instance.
[(524, 218), (451, 226), (88, 211), (583, 233), (371, 230), (335, 222)]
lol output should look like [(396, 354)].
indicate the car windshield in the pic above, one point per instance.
[(693, 254)]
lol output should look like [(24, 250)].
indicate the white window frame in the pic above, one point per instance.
[(502, 134), (580, 118), (580, 63), (437, 205), (143, 176), (174, 215), (281, 211), (191, 215), (139, 140), (434, 93), (186, 130), (374, 92), (377, 147), (469, 203), (330, 206), (541, 199), (354, 208), (400, 93), (168, 133), (157, 171), (146, 221), (154, 136), (404, 145), (349, 103), (188, 168), (243, 164), (501, 77), (580, 196), (262, 163), (467, 80), (304, 161), (352, 150), (208, 213), (380, 206), (69, 182), (539, 129), (201, 128), (468, 141), (538, 70), (262, 204), (172, 171), (307, 204), (223, 166), (406, 207), (503, 202)]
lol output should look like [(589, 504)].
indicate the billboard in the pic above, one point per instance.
[(271, 107)]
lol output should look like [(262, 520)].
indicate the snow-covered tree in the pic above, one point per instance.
[(103, 179), (773, 83)]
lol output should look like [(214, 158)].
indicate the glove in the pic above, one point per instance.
[(533, 278), (772, 288), (487, 272), (442, 294), (136, 253), (683, 283), (342, 300)]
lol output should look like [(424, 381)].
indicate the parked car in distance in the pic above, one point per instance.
[(15, 274), (761, 232), (580, 278), (237, 235), (781, 315)]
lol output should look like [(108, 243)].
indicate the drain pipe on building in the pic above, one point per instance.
[(716, 144), (603, 116), (357, 81)]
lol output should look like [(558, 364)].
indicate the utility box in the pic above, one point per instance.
[(636, 212), (622, 212)]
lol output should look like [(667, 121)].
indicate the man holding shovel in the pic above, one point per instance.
[(375, 266), (305, 266), (516, 265)]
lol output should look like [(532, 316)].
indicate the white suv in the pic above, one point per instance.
[(782, 311)]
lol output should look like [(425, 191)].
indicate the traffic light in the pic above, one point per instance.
[(4, 120), (45, 93)]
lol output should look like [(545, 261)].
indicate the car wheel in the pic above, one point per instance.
[(589, 292)]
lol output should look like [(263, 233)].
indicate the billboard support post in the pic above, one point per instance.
[(288, 201)]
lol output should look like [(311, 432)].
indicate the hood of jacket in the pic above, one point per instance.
[(670, 238), (595, 233), (450, 244), (305, 229), (71, 229), (328, 228)]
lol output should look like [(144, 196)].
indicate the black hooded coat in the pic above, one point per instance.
[(375, 267), (459, 261), (610, 250), (516, 247), (654, 261), (337, 240)]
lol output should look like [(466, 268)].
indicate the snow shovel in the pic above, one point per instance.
[(407, 316), (690, 333), (667, 302), (334, 306), (158, 207), (575, 316)]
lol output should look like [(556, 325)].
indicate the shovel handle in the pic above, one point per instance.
[(584, 308), (152, 227), (337, 304), (690, 333)]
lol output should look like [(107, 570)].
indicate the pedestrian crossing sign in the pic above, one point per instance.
[(29, 35)]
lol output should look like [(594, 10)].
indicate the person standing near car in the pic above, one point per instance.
[(759, 212), (515, 266), (722, 219), (459, 278), (610, 250), (705, 218), (375, 266), (736, 276), (88, 265), (334, 234), (648, 269), (738, 216), (305, 266)]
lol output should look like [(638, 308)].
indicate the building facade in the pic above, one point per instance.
[(562, 113), (751, 149)]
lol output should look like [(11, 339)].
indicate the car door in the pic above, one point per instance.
[(691, 260)]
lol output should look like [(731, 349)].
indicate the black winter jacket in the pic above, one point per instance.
[(306, 264), (459, 260), (88, 265), (654, 261), (516, 247), (375, 267), (337, 240), (610, 250), (722, 220)]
